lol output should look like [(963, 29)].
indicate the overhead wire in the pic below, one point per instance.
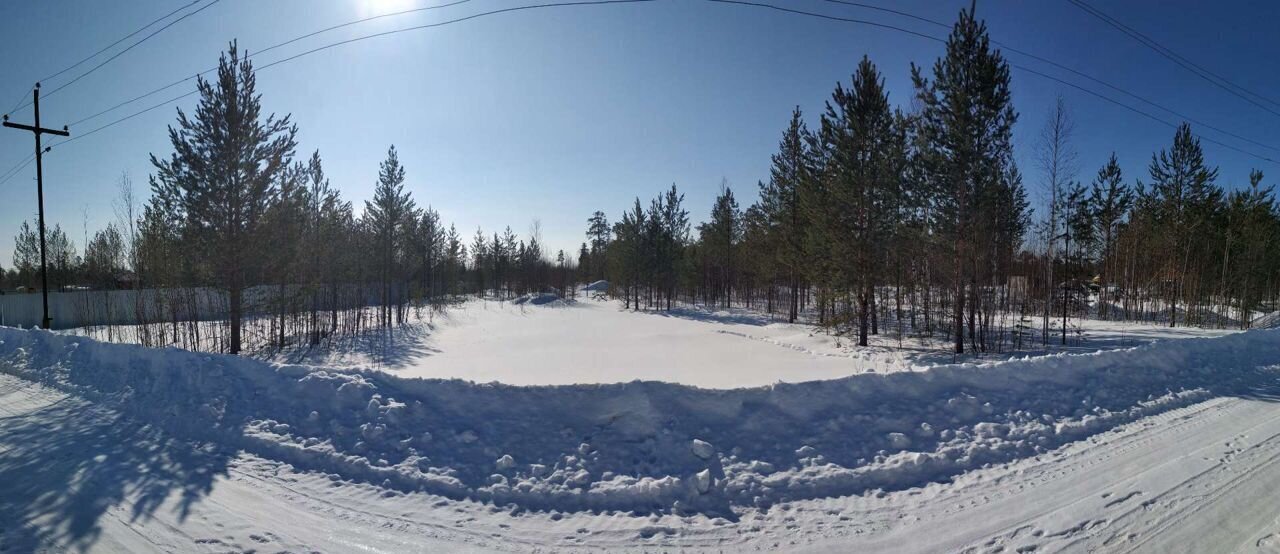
[(357, 39), (1021, 68), (1209, 76), (130, 47), (23, 97), (732, 2), (16, 169), (1042, 59), (153, 92)]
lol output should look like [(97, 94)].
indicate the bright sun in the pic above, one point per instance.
[(380, 7)]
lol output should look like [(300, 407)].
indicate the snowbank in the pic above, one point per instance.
[(1269, 321), (645, 446)]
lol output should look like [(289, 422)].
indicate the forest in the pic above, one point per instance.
[(875, 219)]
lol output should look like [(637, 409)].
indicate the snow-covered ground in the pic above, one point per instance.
[(596, 341), (1156, 447)]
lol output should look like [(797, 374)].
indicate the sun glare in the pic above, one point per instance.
[(380, 7)]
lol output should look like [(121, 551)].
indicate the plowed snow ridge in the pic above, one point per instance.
[(643, 446)]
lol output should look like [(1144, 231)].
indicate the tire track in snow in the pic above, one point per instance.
[(1267, 449), (1172, 439), (1019, 480)]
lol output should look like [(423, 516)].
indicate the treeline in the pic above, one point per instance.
[(874, 220), (233, 210), (918, 222)]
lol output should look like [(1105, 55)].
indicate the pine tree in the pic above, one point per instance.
[(480, 256), (780, 206), (104, 257), (326, 230), (1110, 199), (62, 258), (584, 264), (26, 255), (428, 243), (598, 232), (388, 215), (967, 121), (721, 236), (1184, 195), (454, 254), (223, 175), (509, 258), (858, 129), (628, 252), (283, 228), (1252, 237)]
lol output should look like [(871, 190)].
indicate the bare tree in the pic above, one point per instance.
[(1059, 165)]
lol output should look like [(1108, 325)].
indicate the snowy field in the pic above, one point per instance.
[(1166, 446), (596, 341)]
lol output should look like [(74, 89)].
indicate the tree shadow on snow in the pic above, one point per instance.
[(392, 348), (68, 465), (728, 316)]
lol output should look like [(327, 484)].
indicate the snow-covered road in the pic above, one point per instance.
[(1159, 446), (75, 474)]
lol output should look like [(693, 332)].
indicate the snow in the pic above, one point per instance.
[(136, 449), (537, 299), (702, 449), (596, 341), (1268, 321)]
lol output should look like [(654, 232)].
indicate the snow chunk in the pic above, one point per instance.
[(702, 449), (703, 481), (505, 462), (988, 430), (899, 440)]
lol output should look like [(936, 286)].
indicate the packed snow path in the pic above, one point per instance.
[(119, 448)]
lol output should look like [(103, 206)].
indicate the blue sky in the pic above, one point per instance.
[(554, 113)]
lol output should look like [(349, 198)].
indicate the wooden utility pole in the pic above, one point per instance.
[(37, 130)]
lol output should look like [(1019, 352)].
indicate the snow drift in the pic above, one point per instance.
[(645, 446), (1268, 321)]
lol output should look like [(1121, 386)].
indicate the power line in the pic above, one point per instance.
[(1140, 112), (1016, 66), (358, 21), (121, 39), (1075, 72), (128, 48), (22, 98), (1213, 78), (126, 118), (934, 22), (17, 168), (137, 98), (890, 10), (263, 51), (458, 20), (828, 16), (733, 2), (356, 39)]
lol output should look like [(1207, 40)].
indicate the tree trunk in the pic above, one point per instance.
[(236, 298)]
